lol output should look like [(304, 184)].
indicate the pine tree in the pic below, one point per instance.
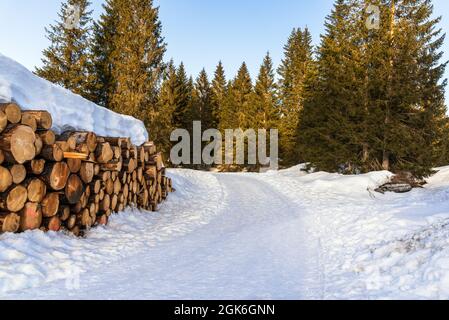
[(103, 45), (67, 61), (239, 112), (183, 115), (204, 107), (137, 58), (219, 92), (297, 60), (160, 119), (378, 98), (333, 109), (265, 97)]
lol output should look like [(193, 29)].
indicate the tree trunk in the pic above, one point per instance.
[(9, 222), (19, 142), (50, 205), (18, 173), (30, 217), (5, 179), (56, 175), (74, 189), (14, 199), (36, 189), (43, 119), (12, 112)]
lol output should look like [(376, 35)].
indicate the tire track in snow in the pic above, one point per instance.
[(253, 246)]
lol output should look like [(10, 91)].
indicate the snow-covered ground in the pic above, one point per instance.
[(283, 235), (69, 111)]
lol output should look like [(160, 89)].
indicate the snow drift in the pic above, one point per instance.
[(69, 111)]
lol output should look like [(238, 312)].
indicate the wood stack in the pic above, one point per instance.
[(71, 181)]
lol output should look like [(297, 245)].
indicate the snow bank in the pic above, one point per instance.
[(35, 258), (69, 111), (374, 246)]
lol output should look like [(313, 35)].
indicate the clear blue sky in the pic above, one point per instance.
[(198, 32)]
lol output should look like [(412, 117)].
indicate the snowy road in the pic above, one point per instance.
[(278, 235), (254, 247)]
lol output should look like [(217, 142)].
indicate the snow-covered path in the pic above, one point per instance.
[(254, 247), (278, 235)]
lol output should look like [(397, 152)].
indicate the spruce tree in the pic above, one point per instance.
[(219, 92), (333, 106), (67, 61), (239, 112), (137, 58), (378, 95), (203, 101), (183, 115), (160, 119), (297, 60), (265, 97), (103, 45)]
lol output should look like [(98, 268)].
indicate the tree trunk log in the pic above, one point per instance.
[(87, 172), (19, 141), (52, 153), (35, 166), (18, 173), (56, 175), (50, 205), (30, 217), (5, 179), (36, 189), (104, 153), (74, 189), (12, 112), (3, 121), (14, 199), (43, 119), (9, 222)]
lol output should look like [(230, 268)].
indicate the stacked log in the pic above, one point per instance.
[(72, 181)]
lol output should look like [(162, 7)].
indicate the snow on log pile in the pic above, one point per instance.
[(74, 180), (69, 111)]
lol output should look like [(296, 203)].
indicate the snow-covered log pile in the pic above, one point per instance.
[(74, 180)]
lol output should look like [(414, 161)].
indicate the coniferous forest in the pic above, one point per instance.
[(361, 100)]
